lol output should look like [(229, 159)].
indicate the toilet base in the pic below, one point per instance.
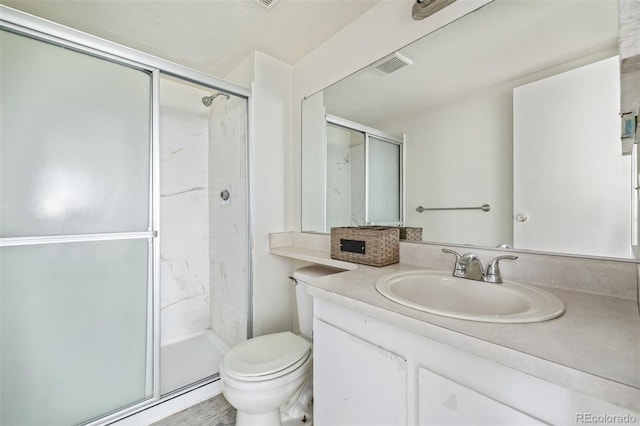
[(298, 410), (306, 420)]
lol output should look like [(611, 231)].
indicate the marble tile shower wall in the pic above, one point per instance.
[(228, 240), (184, 208), (345, 185), (358, 179), (338, 185)]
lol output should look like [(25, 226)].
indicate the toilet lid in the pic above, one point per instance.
[(266, 354)]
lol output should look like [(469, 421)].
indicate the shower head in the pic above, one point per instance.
[(208, 100)]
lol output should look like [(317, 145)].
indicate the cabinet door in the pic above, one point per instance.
[(356, 382), (444, 402)]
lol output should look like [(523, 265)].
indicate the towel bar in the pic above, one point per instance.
[(484, 208)]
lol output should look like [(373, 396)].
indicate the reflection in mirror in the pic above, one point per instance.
[(383, 181), (345, 177), (514, 105), (360, 178)]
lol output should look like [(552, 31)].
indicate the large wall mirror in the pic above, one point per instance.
[(510, 124)]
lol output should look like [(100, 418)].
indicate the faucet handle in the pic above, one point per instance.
[(457, 270), (455, 253), (493, 269)]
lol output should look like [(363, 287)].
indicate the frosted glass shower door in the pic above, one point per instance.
[(74, 330), (75, 142), (76, 240)]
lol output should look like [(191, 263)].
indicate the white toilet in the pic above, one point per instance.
[(261, 374)]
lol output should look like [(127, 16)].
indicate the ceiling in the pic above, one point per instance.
[(212, 36)]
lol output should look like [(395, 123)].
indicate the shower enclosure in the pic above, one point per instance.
[(203, 219), (124, 276)]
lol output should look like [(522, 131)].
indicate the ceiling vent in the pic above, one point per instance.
[(392, 63), (267, 4)]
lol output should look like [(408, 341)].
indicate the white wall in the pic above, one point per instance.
[(459, 154), (314, 169), (271, 176)]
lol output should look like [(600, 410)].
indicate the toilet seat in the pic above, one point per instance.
[(266, 357)]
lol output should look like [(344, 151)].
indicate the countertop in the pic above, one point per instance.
[(594, 347)]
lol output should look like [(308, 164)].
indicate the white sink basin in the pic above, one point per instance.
[(442, 294)]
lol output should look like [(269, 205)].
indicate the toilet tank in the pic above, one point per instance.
[(304, 302)]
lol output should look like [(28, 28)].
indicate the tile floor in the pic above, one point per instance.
[(212, 412)]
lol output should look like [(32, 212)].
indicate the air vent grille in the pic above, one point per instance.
[(392, 63), (267, 4)]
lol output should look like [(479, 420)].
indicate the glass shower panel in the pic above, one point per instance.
[(384, 183), (73, 330), (71, 129)]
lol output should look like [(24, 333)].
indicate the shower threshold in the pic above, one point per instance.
[(187, 359)]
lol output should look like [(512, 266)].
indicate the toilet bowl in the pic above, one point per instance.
[(263, 374)]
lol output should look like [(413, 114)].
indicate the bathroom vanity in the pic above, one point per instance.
[(383, 368), (378, 362)]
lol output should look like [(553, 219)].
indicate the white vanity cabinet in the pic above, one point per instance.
[(345, 366), (368, 372)]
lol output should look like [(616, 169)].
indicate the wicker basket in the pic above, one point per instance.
[(368, 245), (410, 234)]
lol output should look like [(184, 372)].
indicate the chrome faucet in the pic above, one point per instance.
[(469, 266)]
